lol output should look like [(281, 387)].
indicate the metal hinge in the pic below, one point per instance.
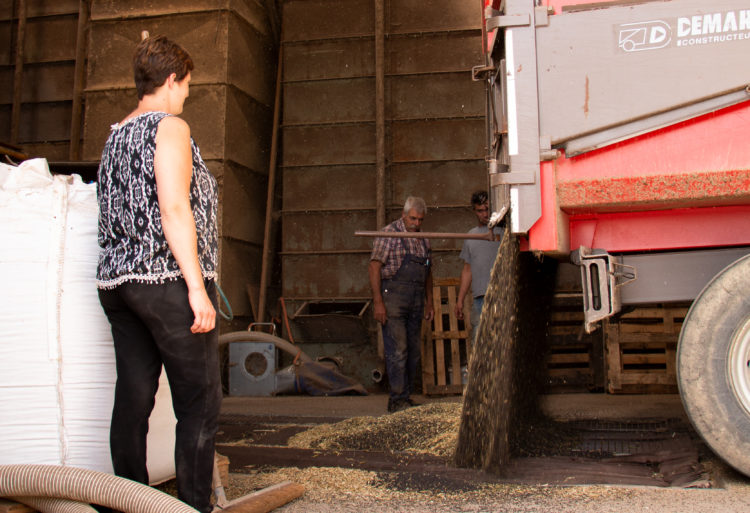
[(601, 278)]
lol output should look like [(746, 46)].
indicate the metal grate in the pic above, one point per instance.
[(613, 438)]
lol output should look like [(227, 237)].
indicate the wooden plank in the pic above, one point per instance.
[(559, 316), (652, 338), (568, 358), (645, 378), (439, 346), (569, 373), (655, 313), (560, 331), (644, 359), (614, 364), (671, 362), (428, 356), (453, 323), (647, 329), (449, 334), (267, 499)]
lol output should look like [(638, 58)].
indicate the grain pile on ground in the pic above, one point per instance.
[(429, 428), (331, 489)]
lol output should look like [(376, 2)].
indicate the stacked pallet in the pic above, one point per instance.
[(574, 361), (446, 343), (641, 349), (634, 352)]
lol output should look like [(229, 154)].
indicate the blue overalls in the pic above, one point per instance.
[(403, 296)]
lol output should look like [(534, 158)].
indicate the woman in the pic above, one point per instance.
[(157, 270)]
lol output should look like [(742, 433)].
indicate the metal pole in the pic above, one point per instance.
[(430, 235), (80, 76), (380, 112), (265, 268), (15, 117)]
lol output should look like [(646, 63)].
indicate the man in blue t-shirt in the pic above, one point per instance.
[(479, 257)]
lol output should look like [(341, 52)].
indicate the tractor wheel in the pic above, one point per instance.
[(713, 364)]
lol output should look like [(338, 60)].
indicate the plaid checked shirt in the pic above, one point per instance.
[(392, 250)]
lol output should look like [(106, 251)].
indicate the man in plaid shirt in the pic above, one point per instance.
[(401, 282)]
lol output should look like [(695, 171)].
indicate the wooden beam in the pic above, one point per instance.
[(267, 499)]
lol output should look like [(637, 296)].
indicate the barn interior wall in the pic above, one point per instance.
[(434, 133), (230, 108), (434, 122), (434, 144), (49, 64)]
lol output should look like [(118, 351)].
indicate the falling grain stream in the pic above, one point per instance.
[(501, 396)]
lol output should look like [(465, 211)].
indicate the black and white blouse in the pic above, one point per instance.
[(131, 238)]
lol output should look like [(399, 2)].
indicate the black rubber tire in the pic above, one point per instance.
[(713, 324)]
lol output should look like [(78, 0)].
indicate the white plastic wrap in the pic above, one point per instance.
[(57, 368)]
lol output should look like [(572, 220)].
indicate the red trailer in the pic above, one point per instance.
[(619, 135)]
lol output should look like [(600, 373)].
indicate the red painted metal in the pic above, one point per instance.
[(638, 194), (663, 230), (713, 142)]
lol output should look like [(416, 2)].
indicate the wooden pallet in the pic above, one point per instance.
[(641, 349), (574, 360), (445, 342)]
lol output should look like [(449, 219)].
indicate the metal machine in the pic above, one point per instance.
[(619, 136)]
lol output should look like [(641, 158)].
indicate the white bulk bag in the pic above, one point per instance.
[(57, 367)]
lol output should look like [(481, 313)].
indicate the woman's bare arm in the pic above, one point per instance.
[(173, 167)]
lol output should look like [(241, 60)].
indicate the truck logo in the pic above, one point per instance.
[(647, 35)]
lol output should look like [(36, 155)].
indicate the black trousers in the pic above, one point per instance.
[(150, 327)]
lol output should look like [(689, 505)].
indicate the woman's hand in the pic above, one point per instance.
[(203, 309)]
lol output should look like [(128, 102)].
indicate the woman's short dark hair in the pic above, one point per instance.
[(155, 59)]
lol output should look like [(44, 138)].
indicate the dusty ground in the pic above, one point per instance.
[(337, 490)]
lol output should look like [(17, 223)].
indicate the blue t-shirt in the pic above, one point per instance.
[(480, 255)]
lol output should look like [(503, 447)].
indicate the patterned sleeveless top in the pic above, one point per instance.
[(132, 242)]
